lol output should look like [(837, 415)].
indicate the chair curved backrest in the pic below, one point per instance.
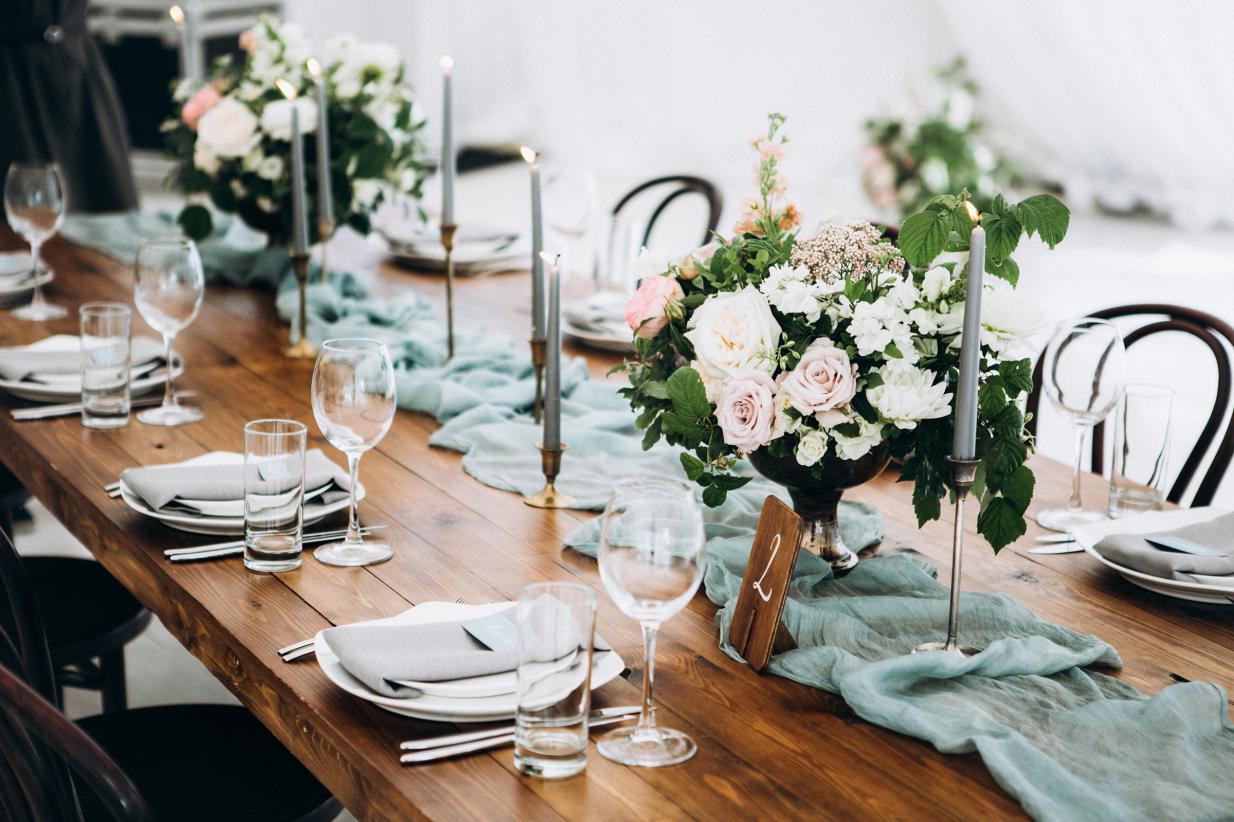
[(675, 185), (1218, 336), (22, 622)]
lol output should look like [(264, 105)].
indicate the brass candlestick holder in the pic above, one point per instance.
[(539, 354), (326, 229), (962, 473), (301, 349), (447, 242), (549, 496)]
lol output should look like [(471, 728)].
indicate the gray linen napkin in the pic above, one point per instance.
[(381, 655), (19, 362), (158, 485), (1141, 552)]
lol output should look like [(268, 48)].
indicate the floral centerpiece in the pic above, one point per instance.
[(820, 356), (931, 150), (232, 137)]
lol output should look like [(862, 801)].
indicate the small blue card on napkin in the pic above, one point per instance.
[(497, 632)]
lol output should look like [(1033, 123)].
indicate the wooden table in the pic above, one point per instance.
[(768, 748)]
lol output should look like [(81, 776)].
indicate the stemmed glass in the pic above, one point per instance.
[(34, 205), (1083, 377), (652, 550), (168, 286), (569, 205), (354, 400)]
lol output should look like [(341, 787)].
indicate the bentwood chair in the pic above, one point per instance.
[(175, 762), (655, 196), (88, 616), (1218, 336)]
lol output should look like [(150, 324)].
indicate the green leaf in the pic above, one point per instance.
[(371, 161), (674, 423), (1018, 488), (862, 406), (195, 180), (873, 380), (991, 397), (653, 434), (1018, 375), (714, 496), (685, 390), (1045, 215), (729, 482), (1002, 235), (694, 467), (927, 503), (892, 350), (196, 222), (923, 235), (1003, 458), (655, 388), (1000, 523), (1006, 269)]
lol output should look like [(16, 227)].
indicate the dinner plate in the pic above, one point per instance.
[(448, 702), (15, 263), (16, 288), (623, 343), (146, 376)]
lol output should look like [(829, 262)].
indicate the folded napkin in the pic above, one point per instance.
[(603, 312), (158, 485), (61, 354), (380, 656), (1205, 548)]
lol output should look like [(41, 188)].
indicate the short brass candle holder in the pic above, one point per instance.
[(301, 349), (962, 473), (539, 355), (549, 496), (447, 242), (326, 229)]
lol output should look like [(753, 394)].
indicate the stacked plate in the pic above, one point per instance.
[(477, 699), (478, 249), (598, 321), (17, 277), (226, 517), (1200, 588), (64, 385)]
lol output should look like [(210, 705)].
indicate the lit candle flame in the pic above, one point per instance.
[(447, 63), (314, 68), (289, 91), (973, 213), (550, 260), (177, 16), (529, 154)]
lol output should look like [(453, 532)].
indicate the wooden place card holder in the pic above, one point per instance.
[(757, 631)]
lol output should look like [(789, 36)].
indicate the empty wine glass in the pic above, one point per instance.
[(569, 208), (34, 205), (652, 550), (168, 286), (1083, 377), (354, 400)]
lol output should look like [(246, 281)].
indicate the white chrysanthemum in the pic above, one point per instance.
[(908, 395), (365, 63), (857, 446), (1008, 318), (811, 448), (793, 291)]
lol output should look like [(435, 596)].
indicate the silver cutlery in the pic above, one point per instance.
[(495, 738), (304, 647), (1053, 538), (44, 412), (236, 547), (1065, 548), (446, 740)]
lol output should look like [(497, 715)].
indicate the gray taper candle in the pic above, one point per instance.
[(325, 187), (448, 158), (964, 442), (552, 365), (537, 247), (299, 215)]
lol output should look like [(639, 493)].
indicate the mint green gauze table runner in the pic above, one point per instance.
[(1068, 742)]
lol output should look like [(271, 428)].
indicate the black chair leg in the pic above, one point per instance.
[(111, 676)]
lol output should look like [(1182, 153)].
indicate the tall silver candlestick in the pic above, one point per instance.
[(552, 447), (962, 474), (301, 348)]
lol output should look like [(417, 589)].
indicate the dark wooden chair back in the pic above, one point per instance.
[(675, 186), (1218, 336), (22, 623)]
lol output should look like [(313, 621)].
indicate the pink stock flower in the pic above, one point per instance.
[(747, 411), (822, 384), (248, 42), (204, 99), (651, 306)]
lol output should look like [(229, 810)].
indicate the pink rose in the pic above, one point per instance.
[(747, 411), (823, 382), (652, 304), (204, 99), (248, 42), (687, 269)]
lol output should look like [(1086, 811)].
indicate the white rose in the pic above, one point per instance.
[(276, 117), (270, 168), (650, 263), (936, 283), (792, 291), (228, 130), (855, 447), (205, 160), (811, 448), (732, 333), (908, 395)]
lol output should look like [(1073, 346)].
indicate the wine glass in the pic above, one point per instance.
[(1083, 377), (34, 205), (652, 550), (569, 206), (168, 286), (354, 401)]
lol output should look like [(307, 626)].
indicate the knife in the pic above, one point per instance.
[(449, 740), (433, 754)]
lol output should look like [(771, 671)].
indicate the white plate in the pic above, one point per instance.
[(14, 263), (57, 388), (224, 526), (16, 289), (449, 708), (1213, 590), (595, 339)]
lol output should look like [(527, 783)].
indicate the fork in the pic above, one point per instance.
[(304, 647)]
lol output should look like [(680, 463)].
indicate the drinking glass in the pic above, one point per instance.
[(105, 364), (273, 494), (167, 288), (556, 628), (1083, 368), (569, 209), (1141, 449), (652, 551), (34, 205), (354, 403)]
